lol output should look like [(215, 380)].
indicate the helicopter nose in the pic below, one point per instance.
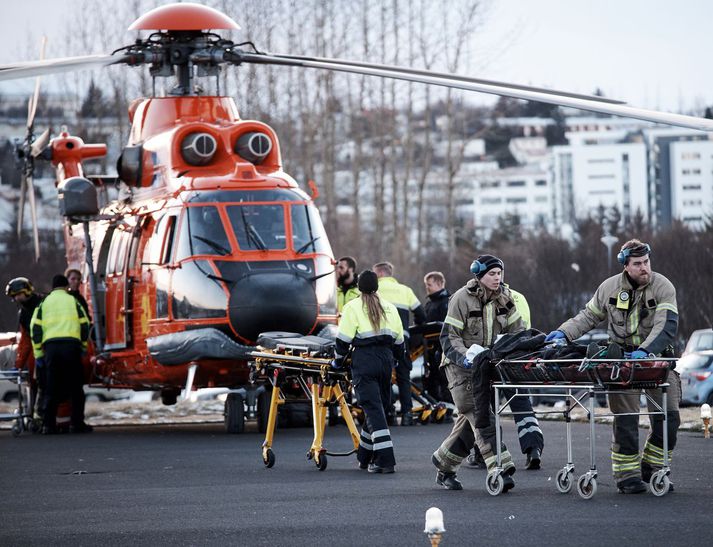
[(272, 301)]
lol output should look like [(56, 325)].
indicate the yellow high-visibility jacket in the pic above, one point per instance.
[(59, 317)]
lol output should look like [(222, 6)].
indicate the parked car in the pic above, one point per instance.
[(696, 370), (701, 339)]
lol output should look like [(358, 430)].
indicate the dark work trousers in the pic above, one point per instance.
[(528, 428), (371, 376), (41, 382), (403, 382), (627, 462), (435, 380), (465, 433), (65, 380)]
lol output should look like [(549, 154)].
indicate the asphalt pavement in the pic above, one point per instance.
[(195, 485)]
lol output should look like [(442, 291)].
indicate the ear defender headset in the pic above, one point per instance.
[(624, 254), (477, 267)]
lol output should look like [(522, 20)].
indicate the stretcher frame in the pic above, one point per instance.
[(23, 414), (428, 407), (321, 385), (579, 395)]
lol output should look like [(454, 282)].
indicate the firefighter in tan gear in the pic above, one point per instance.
[(640, 308), (477, 314)]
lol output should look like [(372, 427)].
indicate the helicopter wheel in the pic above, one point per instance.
[(234, 413)]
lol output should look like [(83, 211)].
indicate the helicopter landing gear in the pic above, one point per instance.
[(169, 396), (234, 413)]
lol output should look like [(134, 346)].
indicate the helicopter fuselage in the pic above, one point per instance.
[(209, 244)]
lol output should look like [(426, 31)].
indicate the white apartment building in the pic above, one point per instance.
[(691, 176), (524, 191), (589, 174)]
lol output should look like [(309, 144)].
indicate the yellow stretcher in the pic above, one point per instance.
[(320, 383)]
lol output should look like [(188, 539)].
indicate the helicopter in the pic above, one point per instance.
[(209, 243)]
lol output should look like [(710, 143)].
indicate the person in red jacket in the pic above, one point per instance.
[(21, 291)]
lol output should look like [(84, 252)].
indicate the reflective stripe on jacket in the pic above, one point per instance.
[(649, 322), (355, 328), (403, 298), (59, 317), (472, 320), (522, 306)]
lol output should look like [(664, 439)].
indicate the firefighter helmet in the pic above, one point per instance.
[(19, 285)]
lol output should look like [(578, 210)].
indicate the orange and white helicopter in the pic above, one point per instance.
[(210, 242)]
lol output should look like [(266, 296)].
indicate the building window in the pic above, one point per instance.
[(516, 200), (541, 199), (490, 184), (593, 177), (691, 186), (516, 183), (540, 182), (490, 201), (600, 160)]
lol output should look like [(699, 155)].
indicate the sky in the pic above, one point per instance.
[(650, 53)]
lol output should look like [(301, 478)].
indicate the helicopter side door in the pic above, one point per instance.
[(117, 326)]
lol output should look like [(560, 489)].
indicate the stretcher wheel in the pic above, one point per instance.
[(586, 488), (35, 426), (321, 462), (268, 458), (565, 480), (660, 483), (494, 483), (16, 429)]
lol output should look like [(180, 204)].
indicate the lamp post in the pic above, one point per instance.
[(609, 241)]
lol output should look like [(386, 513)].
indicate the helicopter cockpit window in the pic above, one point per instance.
[(258, 227), (202, 233), (308, 234)]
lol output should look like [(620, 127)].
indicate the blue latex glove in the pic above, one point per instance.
[(555, 335), (467, 364), (336, 364), (639, 354)]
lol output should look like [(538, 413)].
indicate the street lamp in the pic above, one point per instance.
[(609, 240)]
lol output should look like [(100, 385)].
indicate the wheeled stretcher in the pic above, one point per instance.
[(23, 414), (306, 361), (579, 381), (428, 408)]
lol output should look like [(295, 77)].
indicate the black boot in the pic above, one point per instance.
[(534, 457), (446, 479), (633, 485)]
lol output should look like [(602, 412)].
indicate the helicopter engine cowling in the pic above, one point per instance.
[(253, 146), (198, 148), (269, 301)]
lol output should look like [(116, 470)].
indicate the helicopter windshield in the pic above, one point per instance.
[(258, 227), (202, 233), (308, 235)]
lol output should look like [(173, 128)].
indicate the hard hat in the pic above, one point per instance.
[(19, 285)]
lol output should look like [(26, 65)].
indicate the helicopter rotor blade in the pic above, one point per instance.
[(592, 105), (51, 66), (21, 207), (455, 77), (40, 143), (33, 215), (34, 99)]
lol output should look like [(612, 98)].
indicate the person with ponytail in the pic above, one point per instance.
[(371, 328)]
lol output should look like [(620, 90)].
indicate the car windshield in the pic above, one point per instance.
[(702, 340), (258, 227), (694, 361)]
